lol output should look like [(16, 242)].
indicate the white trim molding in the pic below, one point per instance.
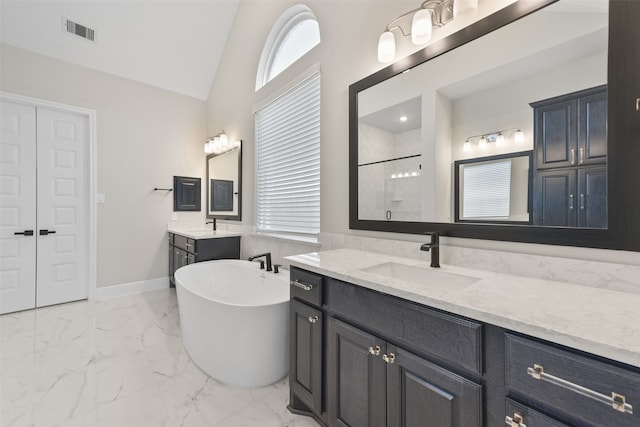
[(132, 288)]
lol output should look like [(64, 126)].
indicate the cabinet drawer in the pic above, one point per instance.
[(518, 415), (580, 388), (306, 286), (184, 243), (452, 339)]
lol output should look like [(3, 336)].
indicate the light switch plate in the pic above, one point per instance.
[(100, 198), (174, 216)]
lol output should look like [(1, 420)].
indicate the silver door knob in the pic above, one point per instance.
[(389, 358), (312, 319), (375, 350)]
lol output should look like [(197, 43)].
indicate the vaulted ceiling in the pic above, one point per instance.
[(172, 44)]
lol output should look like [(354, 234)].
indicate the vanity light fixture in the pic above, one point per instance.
[(431, 14), (498, 137), (219, 144)]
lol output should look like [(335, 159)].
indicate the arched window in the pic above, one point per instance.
[(295, 33)]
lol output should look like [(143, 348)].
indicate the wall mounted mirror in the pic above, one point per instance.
[(224, 184), (530, 77)]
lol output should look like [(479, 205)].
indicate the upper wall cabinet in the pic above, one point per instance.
[(187, 195), (490, 90)]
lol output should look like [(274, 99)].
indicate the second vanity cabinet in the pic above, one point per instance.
[(362, 358), (184, 250)]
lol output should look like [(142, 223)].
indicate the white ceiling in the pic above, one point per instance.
[(172, 44)]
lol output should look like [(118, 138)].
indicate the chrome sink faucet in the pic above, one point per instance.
[(434, 247)]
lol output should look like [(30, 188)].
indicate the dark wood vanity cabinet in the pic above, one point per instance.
[(570, 142), (306, 354), (571, 130), (361, 358), (184, 251), (375, 383), (573, 197)]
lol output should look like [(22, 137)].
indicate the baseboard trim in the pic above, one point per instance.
[(132, 288)]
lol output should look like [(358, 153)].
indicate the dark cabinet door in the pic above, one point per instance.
[(556, 138), (421, 393), (180, 258), (305, 376), (554, 202), (356, 377), (592, 197), (518, 414), (592, 133)]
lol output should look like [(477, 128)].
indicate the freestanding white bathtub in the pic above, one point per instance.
[(235, 321)]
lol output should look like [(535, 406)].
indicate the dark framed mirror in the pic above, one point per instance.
[(224, 184), (494, 189), (475, 101)]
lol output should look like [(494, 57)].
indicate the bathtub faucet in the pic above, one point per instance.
[(268, 257)]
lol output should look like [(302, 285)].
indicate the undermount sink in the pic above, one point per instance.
[(434, 279)]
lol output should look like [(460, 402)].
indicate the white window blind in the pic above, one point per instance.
[(487, 190), (288, 161)]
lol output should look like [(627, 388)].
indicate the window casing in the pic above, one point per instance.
[(294, 34), (288, 161)]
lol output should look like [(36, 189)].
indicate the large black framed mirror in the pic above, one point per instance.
[(591, 45), (224, 184)]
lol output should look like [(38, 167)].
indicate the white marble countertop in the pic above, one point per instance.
[(201, 232), (598, 321)]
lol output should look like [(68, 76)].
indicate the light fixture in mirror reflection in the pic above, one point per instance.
[(431, 14), (499, 138), (445, 100)]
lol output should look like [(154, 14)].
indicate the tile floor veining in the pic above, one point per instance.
[(119, 362)]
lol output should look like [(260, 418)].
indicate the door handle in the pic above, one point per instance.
[(24, 233), (46, 232)]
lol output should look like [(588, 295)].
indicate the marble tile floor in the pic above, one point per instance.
[(119, 363)]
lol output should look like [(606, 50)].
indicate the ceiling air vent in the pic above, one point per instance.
[(78, 29)]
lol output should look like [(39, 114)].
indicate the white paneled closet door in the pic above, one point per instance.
[(54, 154), (17, 207), (63, 226)]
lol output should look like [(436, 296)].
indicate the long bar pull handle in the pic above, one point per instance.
[(301, 285), (616, 401), (582, 205), (515, 421), (637, 104), (581, 156), (570, 201), (573, 156), (46, 232), (24, 233)]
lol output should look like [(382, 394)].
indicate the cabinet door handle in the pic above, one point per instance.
[(637, 104), (571, 202), (389, 358), (375, 350), (616, 401), (515, 421), (46, 232), (582, 201), (301, 285), (573, 156), (188, 245), (312, 319), (581, 156), (24, 233)]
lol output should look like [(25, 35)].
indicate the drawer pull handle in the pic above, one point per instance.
[(375, 350), (516, 421), (390, 358), (188, 245), (301, 285), (312, 319), (616, 401)]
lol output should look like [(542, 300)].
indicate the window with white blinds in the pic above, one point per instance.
[(487, 190), (288, 161)]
